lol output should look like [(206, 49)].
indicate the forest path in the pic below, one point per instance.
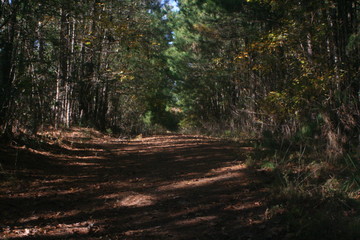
[(160, 187)]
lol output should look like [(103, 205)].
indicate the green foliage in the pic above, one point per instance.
[(257, 66), (268, 166), (353, 43), (93, 63), (352, 183), (309, 200)]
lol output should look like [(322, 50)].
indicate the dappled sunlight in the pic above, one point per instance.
[(211, 177), (237, 167), (196, 220), (156, 231), (163, 187), (70, 147), (111, 196), (197, 182), (86, 163), (61, 229), (136, 200), (49, 215)]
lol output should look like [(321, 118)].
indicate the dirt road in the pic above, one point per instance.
[(160, 187)]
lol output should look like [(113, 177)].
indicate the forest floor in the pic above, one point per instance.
[(92, 186)]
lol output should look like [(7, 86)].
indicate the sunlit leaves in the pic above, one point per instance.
[(242, 55), (277, 105)]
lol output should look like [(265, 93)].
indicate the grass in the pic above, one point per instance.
[(312, 197)]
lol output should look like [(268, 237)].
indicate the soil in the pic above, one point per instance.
[(160, 187)]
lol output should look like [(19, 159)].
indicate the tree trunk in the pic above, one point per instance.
[(7, 74)]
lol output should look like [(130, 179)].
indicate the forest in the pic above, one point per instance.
[(280, 77), (283, 69)]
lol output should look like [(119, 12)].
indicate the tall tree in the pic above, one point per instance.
[(95, 63), (269, 66)]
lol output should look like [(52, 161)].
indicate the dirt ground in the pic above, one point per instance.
[(161, 187)]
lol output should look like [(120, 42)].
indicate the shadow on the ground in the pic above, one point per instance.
[(161, 187)]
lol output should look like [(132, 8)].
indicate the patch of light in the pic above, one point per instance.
[(199, 181), (173, 4), (136, 200), (196, 220)]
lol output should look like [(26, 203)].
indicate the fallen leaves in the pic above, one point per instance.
[(160, 187)]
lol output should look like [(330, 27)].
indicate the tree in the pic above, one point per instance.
[(269, 66), (95, 63)]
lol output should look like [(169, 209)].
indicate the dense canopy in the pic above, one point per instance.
[(284, 69)]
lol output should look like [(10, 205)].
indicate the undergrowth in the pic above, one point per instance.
[(16, 152), (313, 197)]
